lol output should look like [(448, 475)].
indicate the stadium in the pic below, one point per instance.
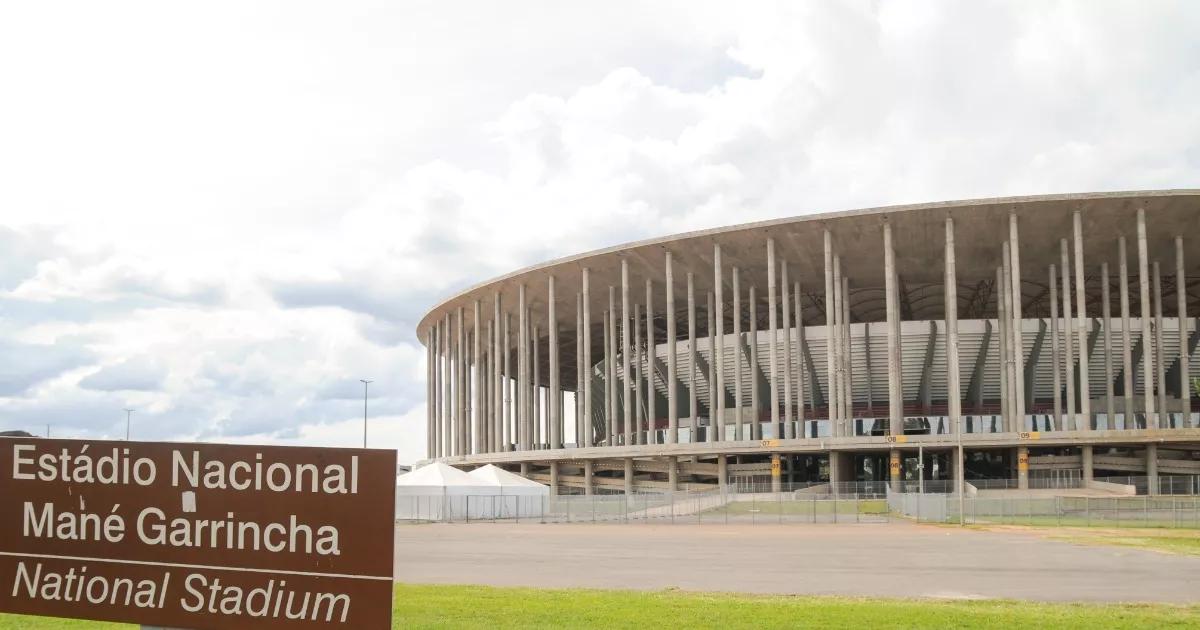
[(1030, 342)]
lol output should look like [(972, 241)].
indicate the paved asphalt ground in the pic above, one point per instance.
[(898, 559)]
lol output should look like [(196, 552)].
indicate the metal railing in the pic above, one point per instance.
[(1061, 511), (1167, 484), (795, 505), (1177, 504)]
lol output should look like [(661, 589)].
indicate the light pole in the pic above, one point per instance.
[(128, 412), (366, 383), (921, 468)]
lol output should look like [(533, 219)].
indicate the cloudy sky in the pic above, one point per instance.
[(223, 215)]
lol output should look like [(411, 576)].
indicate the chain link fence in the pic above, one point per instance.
[(1176, 504)]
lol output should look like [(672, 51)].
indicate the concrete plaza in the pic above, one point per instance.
[(898, 559)]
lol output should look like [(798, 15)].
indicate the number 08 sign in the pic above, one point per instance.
[(197, 535)]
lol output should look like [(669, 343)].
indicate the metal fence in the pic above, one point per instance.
[(1166, 484), (1066, 511), (1177, 504), (811, 504)]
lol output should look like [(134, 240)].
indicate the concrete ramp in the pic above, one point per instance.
[(1094, 489)]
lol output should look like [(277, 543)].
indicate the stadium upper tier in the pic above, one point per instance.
[(1051, 313)]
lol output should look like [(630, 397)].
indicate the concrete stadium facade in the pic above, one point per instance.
[(1020, 338)]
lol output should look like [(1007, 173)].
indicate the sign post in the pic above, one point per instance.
[(197, 535)]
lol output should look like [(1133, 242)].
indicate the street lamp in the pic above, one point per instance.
[(128, 412), (366, 383)]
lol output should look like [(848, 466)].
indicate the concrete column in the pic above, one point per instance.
[(525, 469), (460, 434), (1185, 394), (672, 401), (611, 357), (894, 469), (895, 393), (694, 415), (835, 470), (836, 386), (1003, 323), (447, 379), (429, 397), (451, 387), (773, 374), (1072, 423), (507, 434), (1055, 363), (553, 478), (1159, 351), (523, 406), (1126, 337), (722, 473), (847, 365), (715, 400), (800, 364), (831, 399), (639, 411), (755, 425), (535, 390), (672, 473), (1087, 467), (650, 358), (1148, 356), (1110, 406), (776, 485), (626, 375), (1081, 327), (1014, 380), (579, 371), (610, 360), (1152, 468), (478, 432), (553, 414), (435, 400), (717, 422), (1018, 329), (586, 424), (587, 477), (607, 367), (789, 428), (1023, 467), (738, 340), (953, 386), (628, 476), (497, 378)]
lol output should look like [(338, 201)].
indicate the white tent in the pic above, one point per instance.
[(518, 497), (438, 478), (438, 492), (508, 483)]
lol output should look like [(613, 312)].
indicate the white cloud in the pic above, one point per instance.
[(263, 201)]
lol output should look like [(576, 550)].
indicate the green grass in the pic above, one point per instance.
[(485, 607), (1177, 541), (26, 622), (428, 606), (1184, 542)]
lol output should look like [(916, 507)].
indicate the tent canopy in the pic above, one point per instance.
[(438, 478), (508, 483)]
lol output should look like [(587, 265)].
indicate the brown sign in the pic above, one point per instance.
[(197, 535)]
